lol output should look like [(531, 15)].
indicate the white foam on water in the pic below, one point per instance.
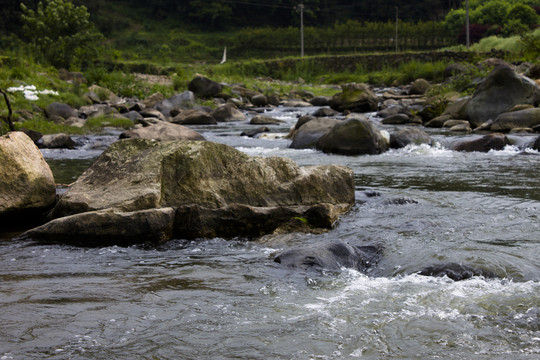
[(512, 150), (436, 150), (262, 151), (418, 295)]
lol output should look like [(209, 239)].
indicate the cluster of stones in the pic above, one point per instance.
[(147, 191), (505, 102), (141, 190)]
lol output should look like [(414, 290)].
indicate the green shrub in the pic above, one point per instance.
[(61, 32), (45, 126), (100, 122), (531, 45)]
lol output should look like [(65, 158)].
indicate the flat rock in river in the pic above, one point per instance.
[(207, 184)]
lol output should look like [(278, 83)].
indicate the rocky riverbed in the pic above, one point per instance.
[(357, 289)]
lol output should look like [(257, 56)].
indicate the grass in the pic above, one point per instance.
[(41, 124), (282, 76), (525, 47), (98, 123)]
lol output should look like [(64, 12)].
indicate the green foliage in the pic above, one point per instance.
[(124, 85), (514, 17), (61, 33), (348, 37), (524, 13), (41, 124), (510, 44), (514, 27), (531, 45), (302, 219), (100, 122), (493, 12), (212, 13)]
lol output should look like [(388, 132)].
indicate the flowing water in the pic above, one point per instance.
[(227, 299)]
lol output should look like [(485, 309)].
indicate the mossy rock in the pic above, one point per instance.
[(354, 98)]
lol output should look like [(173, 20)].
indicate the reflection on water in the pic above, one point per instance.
[(216, 298)]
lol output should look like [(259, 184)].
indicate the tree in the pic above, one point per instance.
[(212, 14), (524, 13), (60, 32), (493, 12), (8, 120)]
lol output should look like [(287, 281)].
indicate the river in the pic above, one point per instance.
[(227, 299)]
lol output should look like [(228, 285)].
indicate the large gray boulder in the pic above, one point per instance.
[(211, 187), (310, 132), (56, 141), (27, 183), (527, 118), (96, 110), (354, 137), (355, 98), (184, 100), (153, 100), (485, 143), (498, 93), (227, 113), (408, 136), (203, 87), (265, 120), (456, 109), (397, 119), (259, 100), (162, 131), (104, 94), (419, 87), (108, 226), (194, 117), (61, 110)]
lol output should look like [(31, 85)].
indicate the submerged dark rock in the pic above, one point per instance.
[(536, 144), (334, 255), (455, 271), (255, 132), (486, 143)]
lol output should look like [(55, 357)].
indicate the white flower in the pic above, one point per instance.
[(30, 92)]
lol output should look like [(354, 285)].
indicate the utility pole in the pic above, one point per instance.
[(467, 25), (397, 23), (301, 8)]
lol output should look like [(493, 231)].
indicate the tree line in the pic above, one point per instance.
[(63, 33), (219, 15)]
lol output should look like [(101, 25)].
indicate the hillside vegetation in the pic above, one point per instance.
[(113, 42)]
